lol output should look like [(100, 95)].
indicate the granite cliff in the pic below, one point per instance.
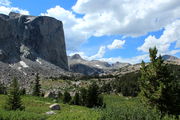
[(32, 37), (30, 44)]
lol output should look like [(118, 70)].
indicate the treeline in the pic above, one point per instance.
[(90, 97), (126, 84)]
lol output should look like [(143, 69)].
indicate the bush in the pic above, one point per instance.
[(66, 97), (93, 96)]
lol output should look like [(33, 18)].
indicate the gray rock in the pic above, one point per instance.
[(55, 106), (31, 37), (49, 95)]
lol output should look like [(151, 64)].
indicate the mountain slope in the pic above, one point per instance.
[(93, 67)]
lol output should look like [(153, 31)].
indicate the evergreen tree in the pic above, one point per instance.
[(92, 95), (76, 99), (14, 98), (158, 87), (67, 97), (37, 86), (83, 96)]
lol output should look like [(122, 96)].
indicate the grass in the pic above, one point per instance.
[(117, 108), (124, 108), (36, 107)]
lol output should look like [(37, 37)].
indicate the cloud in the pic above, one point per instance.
[(73, 36), (100, 53), (133, 60), (116, 44), (125, 17), (170, 35), (5, 2), (129, 18), (6, 8)]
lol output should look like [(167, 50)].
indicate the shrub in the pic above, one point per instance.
[(66, 97)]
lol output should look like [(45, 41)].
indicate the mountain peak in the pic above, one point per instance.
[(76, 56), (169, 57)]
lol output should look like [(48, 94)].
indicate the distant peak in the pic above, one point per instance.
[(76, 56), (169, 57)]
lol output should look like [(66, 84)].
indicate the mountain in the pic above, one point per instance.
[(169, 57), (93, 67), (30, 44)]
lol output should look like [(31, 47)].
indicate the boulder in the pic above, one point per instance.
[(55, 106)]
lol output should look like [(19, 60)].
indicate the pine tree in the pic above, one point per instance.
[(67, 97), (14, 98), (157, 85), (37, 86), (92, 95), (83, 96)]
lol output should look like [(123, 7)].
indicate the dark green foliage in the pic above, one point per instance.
[(76, 99), (126, 84), (159, 88), (93, 96), (3, 89), (59, 95), (23, 91), (67, 97), (37, 86), (14, 98), (106, 88), (83, 96)]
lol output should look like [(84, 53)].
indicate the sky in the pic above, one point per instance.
[(110, 30)]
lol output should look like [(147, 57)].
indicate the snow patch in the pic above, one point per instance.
[(98, 65), (19, 68), (23, 64), (38, 60)]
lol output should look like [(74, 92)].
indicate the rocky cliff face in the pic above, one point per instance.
[(30, 37)]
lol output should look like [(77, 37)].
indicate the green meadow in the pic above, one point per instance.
[(117, 108)]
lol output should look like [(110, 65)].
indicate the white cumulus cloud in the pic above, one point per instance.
[(126, 17), (5, 2), (73, 36), (114, 17), (7, 10), (170, 35), (116, 44)]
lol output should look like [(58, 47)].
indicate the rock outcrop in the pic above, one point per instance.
[(31, 38)]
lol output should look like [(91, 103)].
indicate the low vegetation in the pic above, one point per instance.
[(153, 93)]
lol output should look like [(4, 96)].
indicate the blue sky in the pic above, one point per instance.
[(114, 30)]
